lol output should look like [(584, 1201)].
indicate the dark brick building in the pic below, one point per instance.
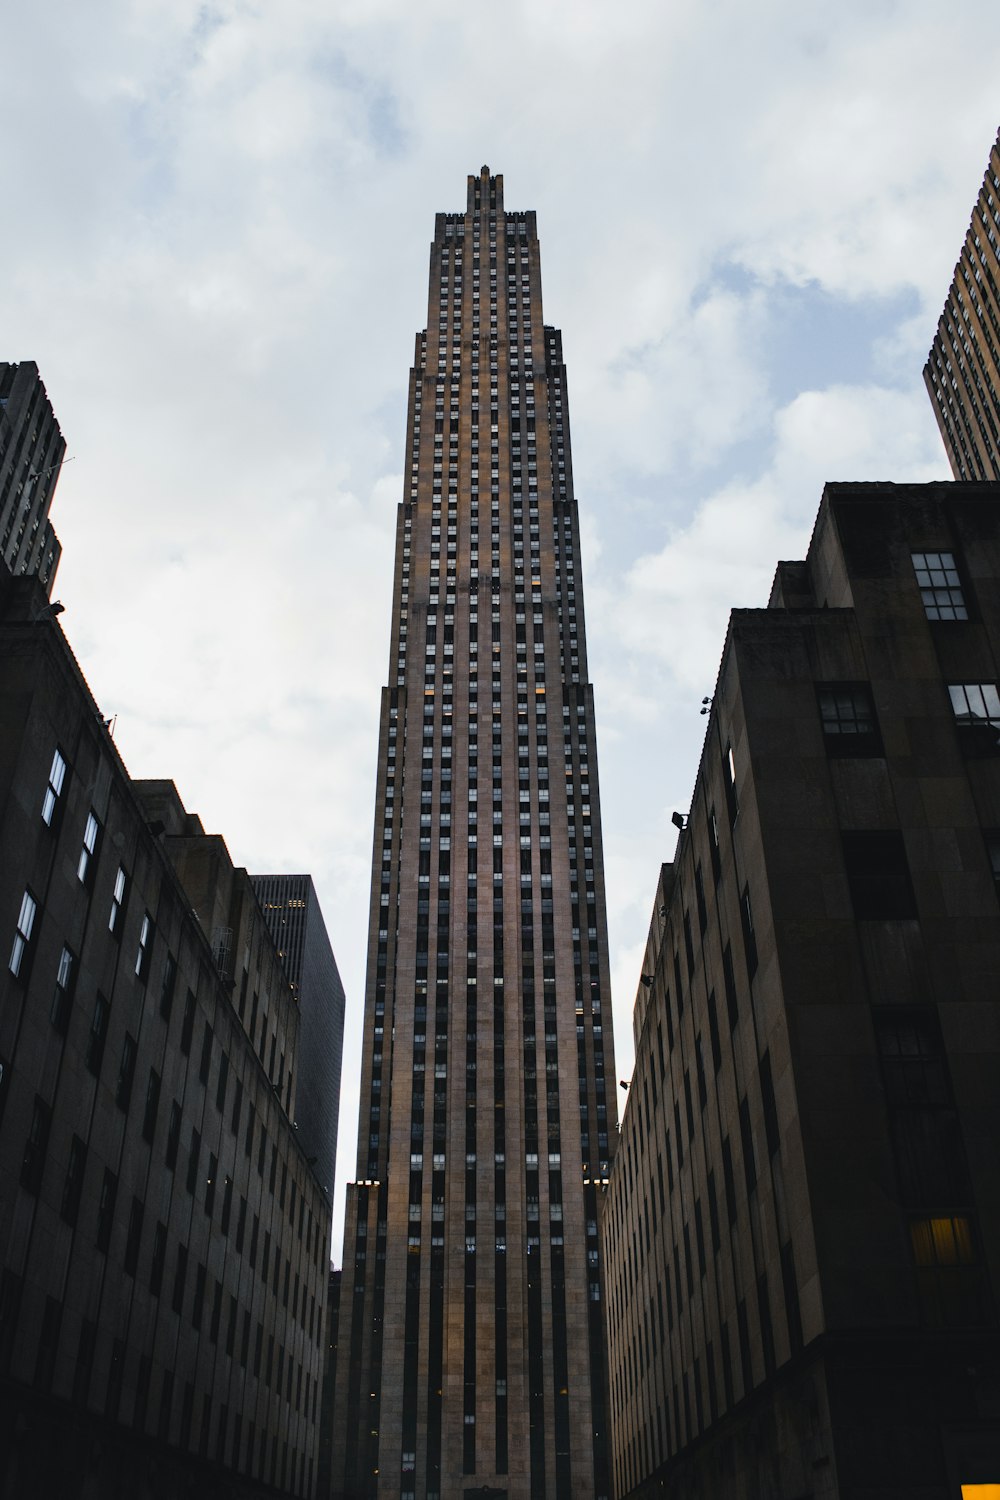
[(802, 1229), (164, 1245)]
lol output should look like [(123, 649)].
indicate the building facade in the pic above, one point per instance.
[(471, 1336), (32, 451), (962, 373), (164, 1245), (294, 919), (801, 1231)]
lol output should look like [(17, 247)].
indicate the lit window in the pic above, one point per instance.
[(65, 974), (22, 936), (84, 869), (118, 901), (940, 586), (975, 703), (57, 776), (145, 947)]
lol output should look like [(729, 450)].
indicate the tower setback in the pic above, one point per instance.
[(471, 1344), (962, 373)]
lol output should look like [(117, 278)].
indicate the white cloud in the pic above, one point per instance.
[(216, 251)]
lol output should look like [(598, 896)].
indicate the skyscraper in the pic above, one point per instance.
[(294, 919), (471, 1344), (962, 373), (31, 455)]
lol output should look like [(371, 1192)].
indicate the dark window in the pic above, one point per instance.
[(152, 1106), (949, 1280), (98, 1035), (159, 1255), (193, 1156), (62, 997), (993, 855), (227, 1204), (187, 1025), (198, 1301), (878, 876), (847, 714), (771, 1130), (106, 1209), (36, 1145), (940, 585), (213, 1327), (699, 895), (73, 1184), (714, 847), (48, 1343), (168, 986), (133, 1237), (729, 976), (237, 1106), (126, 1072), (213, 1167), (713, 1032), (173, 1135), (206, 1054), (180, 1276), (220, 1091), (749, 935), (749, 1147)]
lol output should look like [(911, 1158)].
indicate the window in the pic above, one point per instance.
[(878, 876), (749, 935), (940, 586), (173, 1136), (133, 1237), (187, 1025), (159, 1256), (152, 1105), (118, 902), (847, 714), (145, 947), (126, 1072), (167, 986), (21, 951), (106, 1209), (976, 706), (993, 854), (729, 776), (62, 997), (36, 1146), (948, 1278), (73, 1184), (57, 776), (86, 863), (98, 1034)]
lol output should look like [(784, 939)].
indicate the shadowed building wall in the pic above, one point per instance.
[(294, 919), (801, 1230)]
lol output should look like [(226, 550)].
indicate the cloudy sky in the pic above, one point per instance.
[(217, 219)]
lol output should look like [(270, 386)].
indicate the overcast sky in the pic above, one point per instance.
[(216, 229)]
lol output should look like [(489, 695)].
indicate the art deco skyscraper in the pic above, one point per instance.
[(470, 1347), (962, 373)]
